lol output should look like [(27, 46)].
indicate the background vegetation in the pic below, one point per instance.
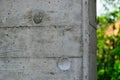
[(108, 36)]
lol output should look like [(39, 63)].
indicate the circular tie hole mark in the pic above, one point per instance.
[(64, 64), (38, 17)]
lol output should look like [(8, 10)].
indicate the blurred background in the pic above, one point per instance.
[(108, 37)]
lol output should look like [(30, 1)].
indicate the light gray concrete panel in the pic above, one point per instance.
[(38, 69), (39, 12), (49, 41)]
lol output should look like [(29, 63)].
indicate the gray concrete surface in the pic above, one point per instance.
[(47, 40)]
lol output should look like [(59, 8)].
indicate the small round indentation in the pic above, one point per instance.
[(38, 17), (64, 64), (86, 2)]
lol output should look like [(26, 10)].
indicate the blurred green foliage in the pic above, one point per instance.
[(108, 52)]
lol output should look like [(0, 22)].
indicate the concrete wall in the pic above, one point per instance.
[(47, 40)]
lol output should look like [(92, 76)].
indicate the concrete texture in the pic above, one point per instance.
[(37, 69), (89, 39), (47, 40), (55, 12), (50, 41)]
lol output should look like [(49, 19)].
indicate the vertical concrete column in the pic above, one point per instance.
[(89, 40), (47, 40)]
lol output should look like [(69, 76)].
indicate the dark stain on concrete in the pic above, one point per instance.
[(38, 17)]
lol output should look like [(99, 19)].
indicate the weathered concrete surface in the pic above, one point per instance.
[(89, 40), (92, 40), (37, 69), (55, 12), (92, 13), (50, 41), (47, 40), (92, 54)]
